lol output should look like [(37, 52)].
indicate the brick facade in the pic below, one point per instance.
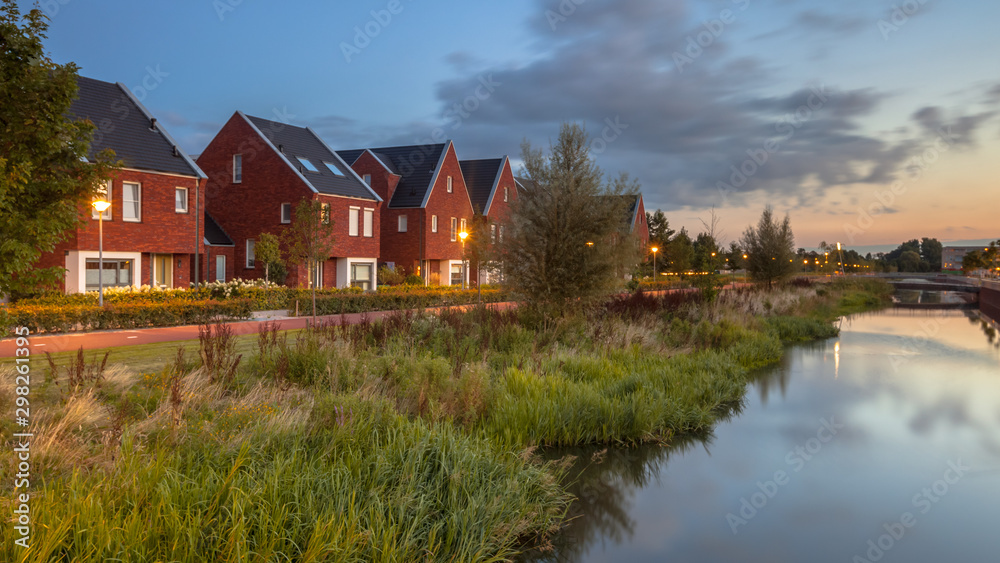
[(420, 244), (253, 206), (161, 232)]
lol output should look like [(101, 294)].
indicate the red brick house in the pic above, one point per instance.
[(152, 231), (492, 190), (637, 219), (259, 170), (428, 205)]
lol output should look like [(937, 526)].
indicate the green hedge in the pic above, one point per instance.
[(391, 300), (68, 318)]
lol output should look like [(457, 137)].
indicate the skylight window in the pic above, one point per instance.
[(333, 168), (308, 165)]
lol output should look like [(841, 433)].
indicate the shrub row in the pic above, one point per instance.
[(392, 300), (67, 318)]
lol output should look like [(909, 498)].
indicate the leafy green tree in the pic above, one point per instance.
[(567, 242), (268, 252), (770, 249), (909, 261), (930, 253), (973, 261), (659, 229), (47, 176), (480, 247), (310, 240), (680, 253)]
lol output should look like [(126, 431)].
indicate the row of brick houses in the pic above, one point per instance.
[(401, 206)]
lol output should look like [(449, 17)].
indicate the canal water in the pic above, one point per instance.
[(882, 444)]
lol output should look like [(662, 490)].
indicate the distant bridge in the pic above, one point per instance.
[(933, 286)]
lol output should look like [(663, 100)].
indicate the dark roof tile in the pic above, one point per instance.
[(416, 164), (480, 178)]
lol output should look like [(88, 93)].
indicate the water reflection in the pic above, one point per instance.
[(908, 391)]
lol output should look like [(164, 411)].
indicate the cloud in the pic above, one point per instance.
[(815, 20), (960, 130)]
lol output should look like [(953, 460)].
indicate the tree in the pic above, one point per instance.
[(567, 240), (480, 247), (310, 239), (659, 229), (680, 253), (909, 261), (973, 261), (267, 251), (47, 176), (930, 252), (770, 249)]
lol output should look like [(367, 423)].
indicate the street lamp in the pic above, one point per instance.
[(101, 206), (462, 235), (841, 259), (655, 250)]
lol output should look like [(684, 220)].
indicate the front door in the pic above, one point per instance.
[(163, 272), (220, 268)]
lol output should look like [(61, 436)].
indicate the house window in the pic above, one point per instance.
[(434, 223), (286, 212), (250, 254), (103, 192), (162, 273), (352, 216), (317, 275), (181, 200), (501, 234), (368, 179), (324, 210), (369, 222), (332, 168), (308, 165), (402, 223), (454, 229), (117, 273), (237, 168), (505, 193), (456, 274), (361, 275), (493, 234), (220, 268), (449, 184), (131, 202), (461, 227)]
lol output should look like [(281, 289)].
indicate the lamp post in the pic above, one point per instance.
[(839, 251), (101, 206), (462, 235), (655, 250)]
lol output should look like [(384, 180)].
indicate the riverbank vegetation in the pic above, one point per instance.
[(412, 438)]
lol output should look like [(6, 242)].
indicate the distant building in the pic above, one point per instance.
[(951, 257)]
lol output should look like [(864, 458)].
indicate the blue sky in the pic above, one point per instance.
[(841, 97)]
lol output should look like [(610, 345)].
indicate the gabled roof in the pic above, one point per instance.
[(417, 166), (481, 178), (214, 235), (300, 147), (126, 127), (524, 184)]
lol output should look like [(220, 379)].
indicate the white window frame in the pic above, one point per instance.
[(368, 179), (493, 234), (450, 187), (401, 223), (369, 222), (454, 229), (223, 258), (353, 221), (237, 168), (251, 260), (186, 205), (434, 223), (286, 219), (462, 226), (500, 234), (505, 194), (127, 202), (106, 191), (324, 213)]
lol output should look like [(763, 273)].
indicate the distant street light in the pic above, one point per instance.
[(101, 206), (462, 235), (655, 250)]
